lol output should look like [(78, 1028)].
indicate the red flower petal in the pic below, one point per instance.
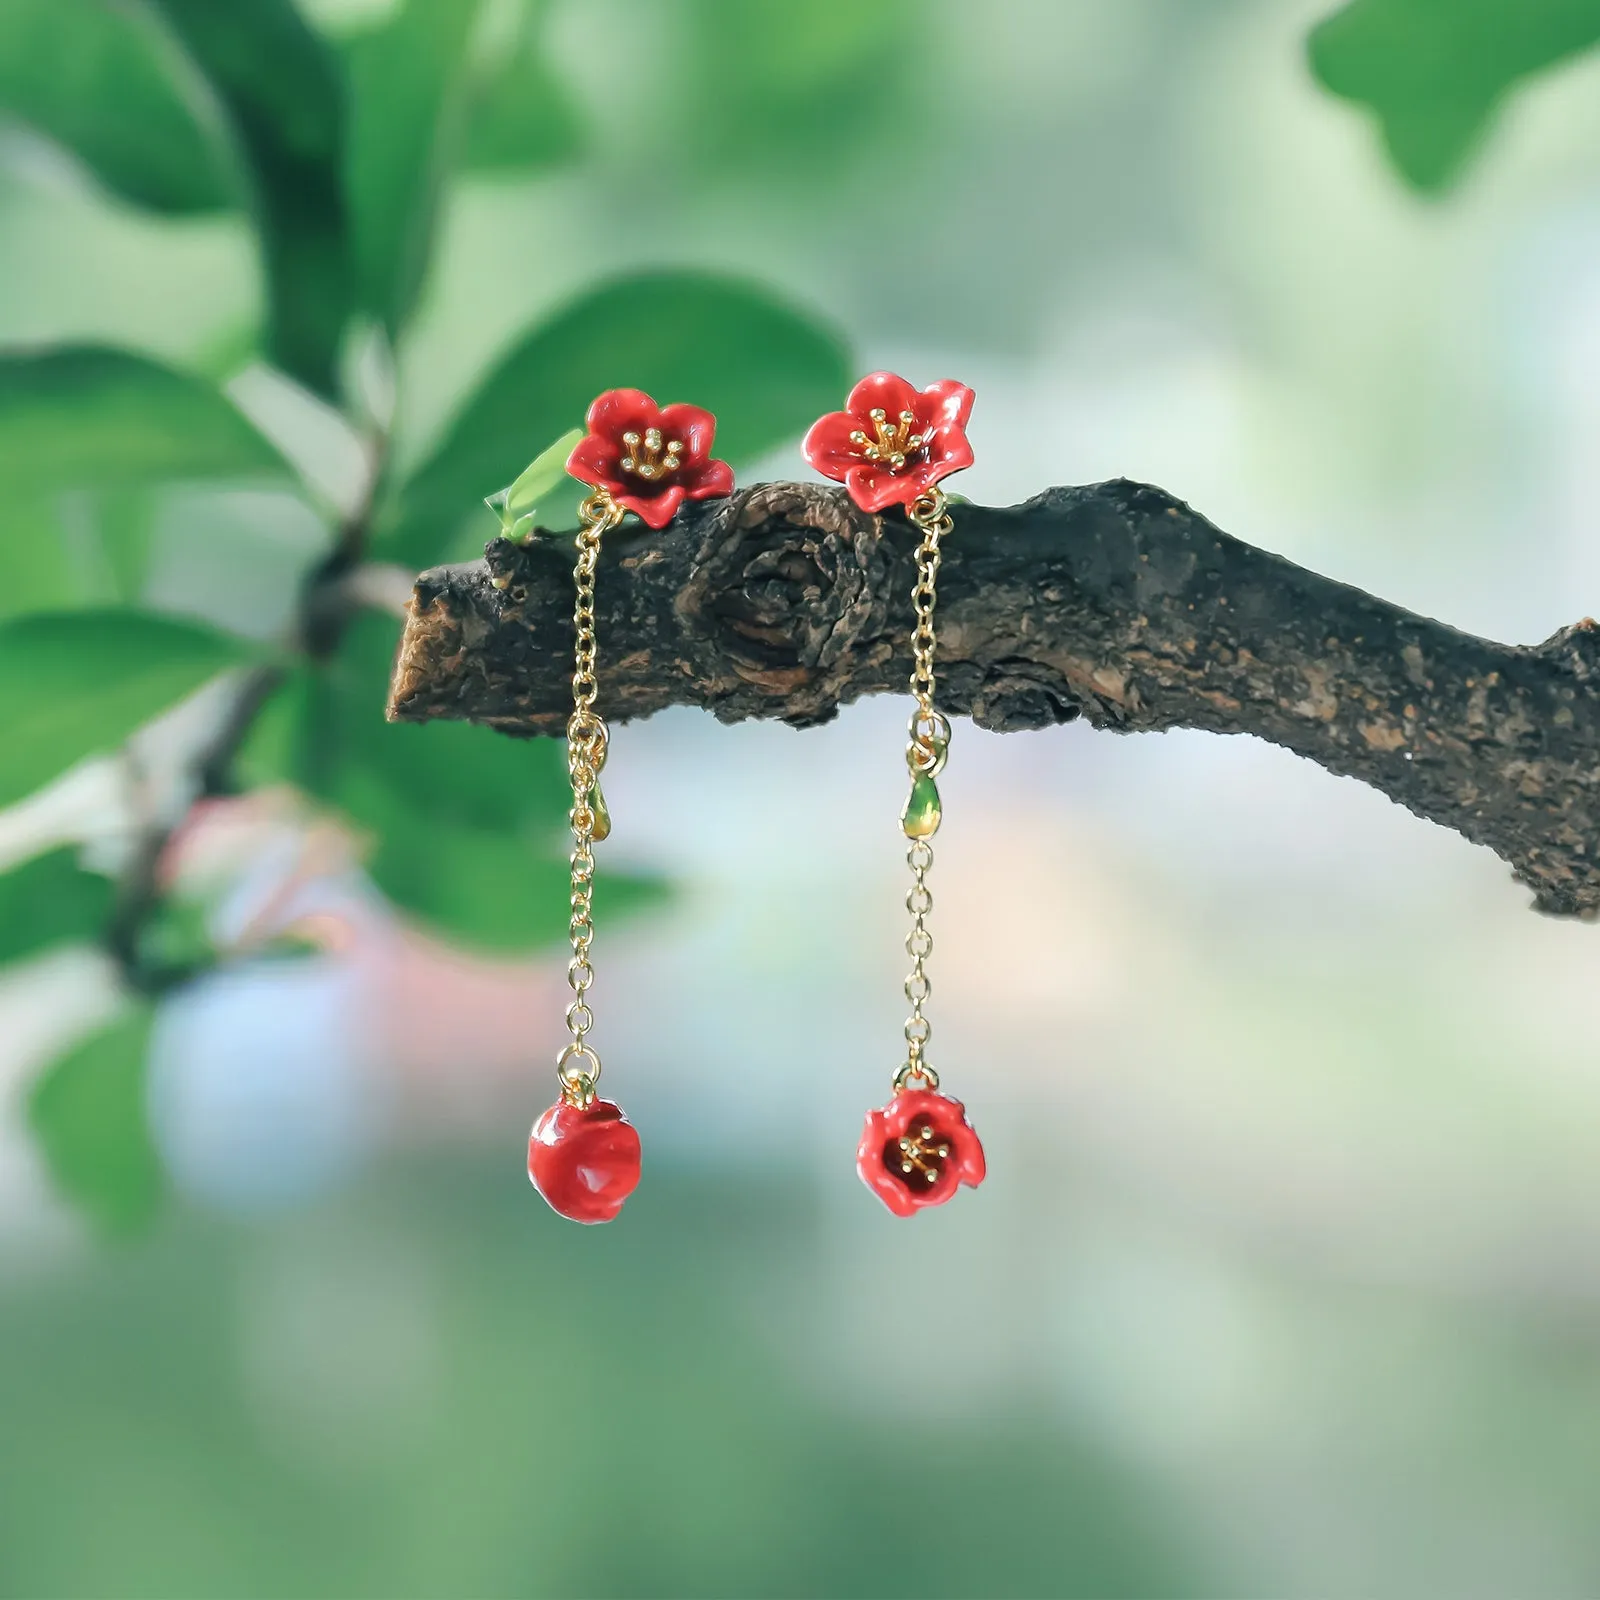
[(597, 458), (939, 412), (709, 479), (947, 453), (874, 487), (878, 1158), (594, 460), (618, 411), (885, 390), (946, 404), (654, 507), (827, 445), (694, 428)]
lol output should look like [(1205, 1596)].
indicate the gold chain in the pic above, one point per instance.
[(578, 1067), (926, 751)]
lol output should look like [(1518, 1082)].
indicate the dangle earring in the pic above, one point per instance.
[(583, 1155), (891, 445)]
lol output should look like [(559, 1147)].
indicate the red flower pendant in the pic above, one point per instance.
[(651, 458), (918, 1150), (892, 443), (584, 1159)]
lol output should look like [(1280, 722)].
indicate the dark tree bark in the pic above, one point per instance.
[(1114, 602)]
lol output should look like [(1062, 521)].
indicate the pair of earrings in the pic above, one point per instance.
[(891, 445)]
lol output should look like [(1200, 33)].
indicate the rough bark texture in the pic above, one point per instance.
[(1115, 602)]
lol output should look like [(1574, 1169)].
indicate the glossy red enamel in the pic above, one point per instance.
[(892, 442), (651, 458), (918, 1150), (585, 1162)]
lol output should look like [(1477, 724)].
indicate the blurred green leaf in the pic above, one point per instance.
[(797, 89), (40, 576), (281, 89), (466, 824), (490, 891), (89, 1116), (63, 552), (766, 368), (89, 416), (1435, 71), (520, 114), (100, 79), (451, 772), (408, 89), (75, 683), (51, 900), (124, 525)]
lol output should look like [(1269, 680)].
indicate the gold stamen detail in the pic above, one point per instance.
[(918, 1153), (647, 457), (893, 446)]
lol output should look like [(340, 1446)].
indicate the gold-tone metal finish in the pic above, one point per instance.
[(918, 1153), (927, 749), (891, 443), (578, 1067), (648, 457)]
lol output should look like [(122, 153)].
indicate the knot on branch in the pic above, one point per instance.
[(788, 594)]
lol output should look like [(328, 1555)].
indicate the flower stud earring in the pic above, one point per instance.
[(891, 445), (649, 459), (584, 1154)]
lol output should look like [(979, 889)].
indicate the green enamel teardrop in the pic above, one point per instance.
[(602, 816), (922, 815)]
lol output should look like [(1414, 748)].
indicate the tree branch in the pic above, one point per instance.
[(1115, 602)]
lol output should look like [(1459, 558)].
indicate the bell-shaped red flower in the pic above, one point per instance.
[(918, 1150), (584, 1159), (652, 458), (892, 442)]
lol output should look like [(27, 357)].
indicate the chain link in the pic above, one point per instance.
[(578, 1067), (925, 755), (930, 512)]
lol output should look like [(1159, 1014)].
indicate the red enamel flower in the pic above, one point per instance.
[(892, 442), (918, 1151), (584, 1159), (652, 458)]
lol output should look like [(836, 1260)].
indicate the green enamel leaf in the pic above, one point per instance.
[(73, 684), (765, 367), (88, 1113), (547, 470), (102, 80), (1435, 72)]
